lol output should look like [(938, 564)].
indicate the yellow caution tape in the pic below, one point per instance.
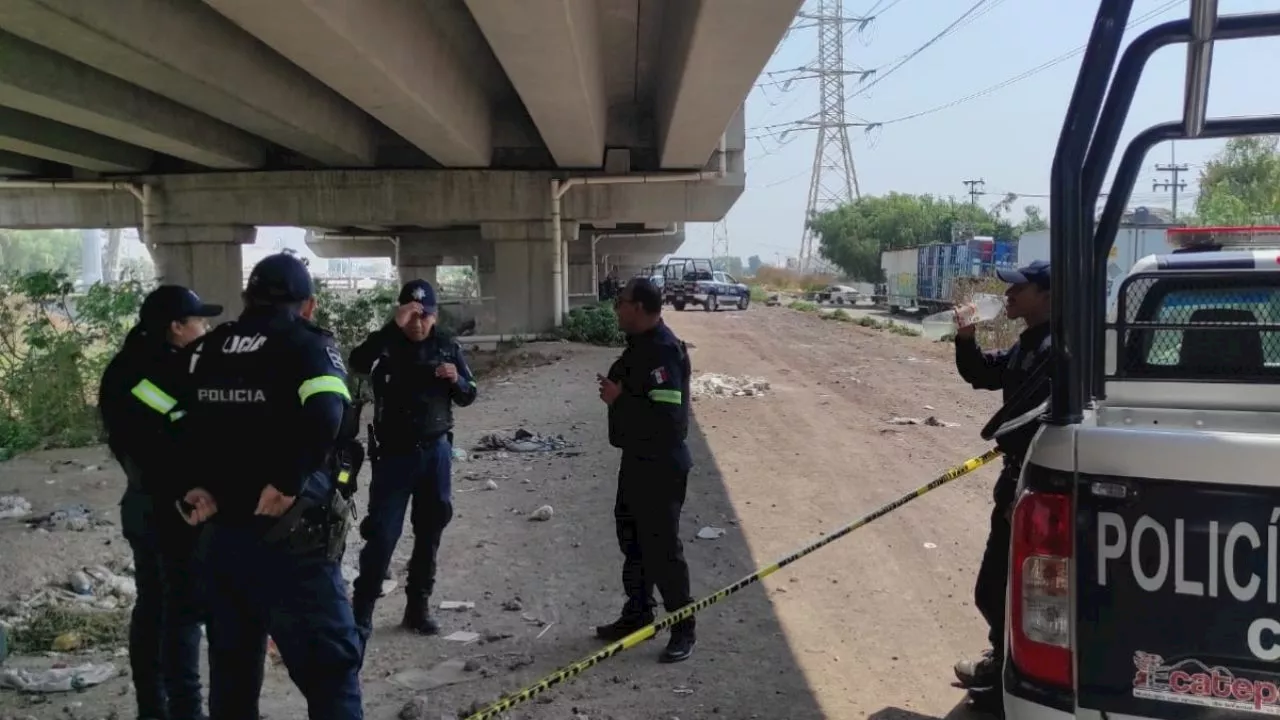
[(509, 701)]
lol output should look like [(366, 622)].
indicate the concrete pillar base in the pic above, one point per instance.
[(205, 258), (409, 273)]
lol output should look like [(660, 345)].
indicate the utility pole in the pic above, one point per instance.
[(834, 179), (1175, 185), (976, 188), (719, 241)]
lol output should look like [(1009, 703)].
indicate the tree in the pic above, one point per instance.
[(731, 264), (1241, 184), (852, 236), (1032, 220), (754, 263), (27, 251)]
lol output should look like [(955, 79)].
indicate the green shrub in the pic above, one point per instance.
[(758, 293), (898, 329), (803, 306), (54, 346), (594, 324)]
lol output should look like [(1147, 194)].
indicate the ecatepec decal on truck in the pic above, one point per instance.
[(1191, 682)]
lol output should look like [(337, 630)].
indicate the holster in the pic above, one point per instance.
[(311, 527), (347, 460)]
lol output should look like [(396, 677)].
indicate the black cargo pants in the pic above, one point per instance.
[(993, 575), (651, 493)]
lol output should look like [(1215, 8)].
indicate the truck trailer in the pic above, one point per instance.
[(925, 278)]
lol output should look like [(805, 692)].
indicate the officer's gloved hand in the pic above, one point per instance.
[(273, 503)]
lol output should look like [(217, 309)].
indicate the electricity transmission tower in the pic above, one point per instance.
[(834, 180), (719, 240)]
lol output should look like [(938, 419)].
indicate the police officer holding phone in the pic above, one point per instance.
[(418, 373), (266, 401), (138, 405)]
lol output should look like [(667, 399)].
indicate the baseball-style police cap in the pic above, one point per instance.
[(279, 278), (169, 303), (421, 292), (1037, 273)]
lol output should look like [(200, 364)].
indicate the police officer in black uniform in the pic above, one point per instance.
[(266, 402), (138, 405), (1027, 298), (418, 373), (647, 391)]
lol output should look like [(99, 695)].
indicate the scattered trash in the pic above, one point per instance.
[(414, 709), (716, 385), (459, 455), (55, 680), (774, 300), (711, 533), (457, 605), (68, 641), (682, 691), (513, 605), (544, 631), (522, 441), (931, 421), (448, 672), (490, 485), (13, 506), (73, 516), (463, 636), (542, 514), (930, 546)]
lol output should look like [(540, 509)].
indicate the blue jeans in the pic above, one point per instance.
[(164, 630), (258, 589), (417, 481)]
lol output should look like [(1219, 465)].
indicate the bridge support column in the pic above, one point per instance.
[(205, 258), (409, 273), (524, 279)]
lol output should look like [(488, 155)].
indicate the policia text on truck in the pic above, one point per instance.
[(1142, 562)]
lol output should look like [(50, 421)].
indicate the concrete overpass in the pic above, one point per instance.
[(508, 134)]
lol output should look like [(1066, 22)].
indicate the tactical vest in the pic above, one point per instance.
[(411, 405)]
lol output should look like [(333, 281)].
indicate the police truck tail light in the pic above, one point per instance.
[(1040, 587)]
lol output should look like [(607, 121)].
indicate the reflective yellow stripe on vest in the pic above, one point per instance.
[(153, 397), (323, 384), (666, 396)]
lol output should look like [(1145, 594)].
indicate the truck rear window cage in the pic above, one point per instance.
[(1199, 326)]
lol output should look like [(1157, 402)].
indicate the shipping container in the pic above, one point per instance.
[(1131, 245), (940, 267), (900, 268)]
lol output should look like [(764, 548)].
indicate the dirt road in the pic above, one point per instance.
[(869, 626)]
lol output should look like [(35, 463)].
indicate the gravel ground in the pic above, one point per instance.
[(868, 626)]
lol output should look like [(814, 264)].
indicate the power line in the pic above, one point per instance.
[(1023, 75)]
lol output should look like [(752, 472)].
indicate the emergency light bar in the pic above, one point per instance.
[(1259, 236)]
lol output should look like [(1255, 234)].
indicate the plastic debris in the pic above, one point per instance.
[(73, 516), (711, 533), (457, 605), (54, 680), (522, 441), (13, 506), (462, 636), (931, 421), (716, 385)]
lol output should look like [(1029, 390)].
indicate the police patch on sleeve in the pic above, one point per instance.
[(335, 357), (660, 376)]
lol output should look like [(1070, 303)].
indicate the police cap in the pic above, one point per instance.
[(1037, 273), (279, 278), (170, 303), (421, 292)]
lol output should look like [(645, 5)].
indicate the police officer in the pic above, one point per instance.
[(647, 391), (1027, 298), (418, 374), (267, 398), (138, 406)]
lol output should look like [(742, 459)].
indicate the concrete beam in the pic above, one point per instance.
[(550, 50), (347, 247), (714, 51), (50, 140), (15, 164), (390, 57), (42, 82), (632, 245), (338, 199), (206, 259), (187, 52)]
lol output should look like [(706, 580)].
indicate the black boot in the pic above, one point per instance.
[(363, 612), (680, 646), (623, 626), (417, 615)]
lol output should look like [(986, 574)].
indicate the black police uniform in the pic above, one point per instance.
[(1005, 371), (138, 405), (412, 451), (267, 401), (650, 422)]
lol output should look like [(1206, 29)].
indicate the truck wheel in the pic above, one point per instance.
[(743, 302), (711, 305), (840, 300), (679, 306)]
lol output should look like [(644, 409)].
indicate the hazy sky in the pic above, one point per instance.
[(1006, 137)]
